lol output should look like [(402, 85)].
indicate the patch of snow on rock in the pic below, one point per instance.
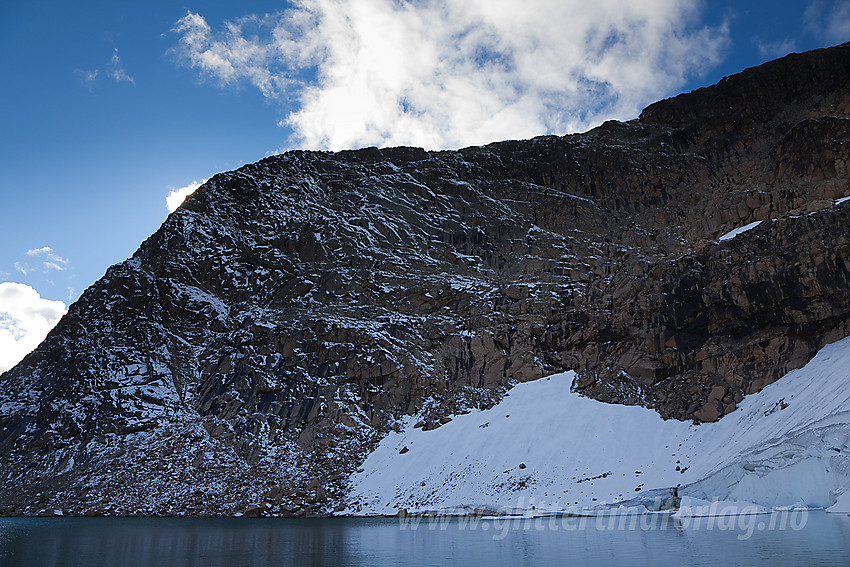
[(733, 233)]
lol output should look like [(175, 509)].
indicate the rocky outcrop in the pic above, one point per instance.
[(255, 348)]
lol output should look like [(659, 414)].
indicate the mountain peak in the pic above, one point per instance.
[(291, 313)]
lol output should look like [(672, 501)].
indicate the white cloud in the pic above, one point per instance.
[(49, 261), (25, 319), (117, 71), (177, 196), (829, 21), (447, 73), (88, 78), (39, 251), (775, 49), (114, 70)]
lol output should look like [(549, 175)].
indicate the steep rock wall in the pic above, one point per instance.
[(255, 348)]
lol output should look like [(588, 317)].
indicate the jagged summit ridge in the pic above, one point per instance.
[(290, 312)]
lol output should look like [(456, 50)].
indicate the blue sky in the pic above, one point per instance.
[(106, 107)]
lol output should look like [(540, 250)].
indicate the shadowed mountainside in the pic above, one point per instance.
[(253, 350)]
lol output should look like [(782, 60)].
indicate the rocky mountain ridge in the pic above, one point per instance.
[(259, 344)]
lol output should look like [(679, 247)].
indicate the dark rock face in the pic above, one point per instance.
[(251, 352)]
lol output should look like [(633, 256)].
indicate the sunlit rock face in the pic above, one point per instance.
[(254, 349)]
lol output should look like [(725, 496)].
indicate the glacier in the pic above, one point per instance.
[(547, 449)]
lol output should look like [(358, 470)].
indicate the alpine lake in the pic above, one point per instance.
[(797, 537)]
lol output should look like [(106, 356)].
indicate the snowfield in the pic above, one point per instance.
[(547, 449)]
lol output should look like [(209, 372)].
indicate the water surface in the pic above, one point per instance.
[(816, 539)]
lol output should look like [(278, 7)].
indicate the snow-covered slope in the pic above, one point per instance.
[(550, 448)]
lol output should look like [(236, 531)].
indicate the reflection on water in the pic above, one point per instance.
[(821, 540)]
